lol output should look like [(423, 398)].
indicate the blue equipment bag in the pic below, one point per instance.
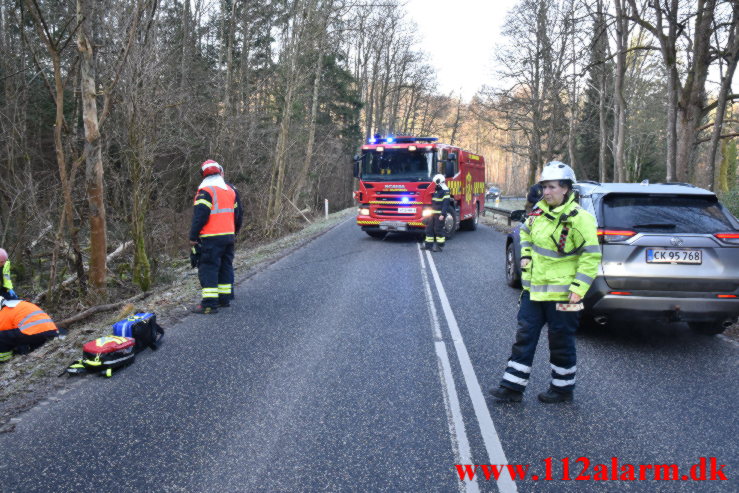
[(143, 327)]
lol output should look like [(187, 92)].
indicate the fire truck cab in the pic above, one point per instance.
[(395, 187)]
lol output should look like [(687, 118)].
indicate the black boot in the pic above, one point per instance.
[(553, 396), (504, 394), (203, 310), (427, 246), (436, 248)]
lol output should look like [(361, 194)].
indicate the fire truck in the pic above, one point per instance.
[(395, 185)]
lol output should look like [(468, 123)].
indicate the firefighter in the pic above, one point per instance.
[(559, 261), (435, 237), (533, 197), (22, 324), (216, 219), (6, 291)]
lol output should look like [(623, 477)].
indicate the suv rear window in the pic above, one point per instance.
[(665, 214)]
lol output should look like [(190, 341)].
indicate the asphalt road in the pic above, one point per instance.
[(357, 365)]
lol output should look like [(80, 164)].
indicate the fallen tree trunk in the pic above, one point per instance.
[(97, 309)]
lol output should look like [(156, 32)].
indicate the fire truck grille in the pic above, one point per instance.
[(392, 212), (396, 193)]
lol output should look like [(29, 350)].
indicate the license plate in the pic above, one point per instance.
[(393, 226), (407, 210), (673, 256)]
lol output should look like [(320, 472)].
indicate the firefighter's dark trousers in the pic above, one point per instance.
[(532, 315), (435, 231), (12, 339), (215, 269)]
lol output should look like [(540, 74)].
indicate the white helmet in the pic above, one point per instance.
[(555, 170), (439, 179)]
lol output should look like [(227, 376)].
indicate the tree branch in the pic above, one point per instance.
[(100, 308), (725, 136)]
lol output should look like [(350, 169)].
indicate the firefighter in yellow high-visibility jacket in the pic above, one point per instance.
[(560, 255)]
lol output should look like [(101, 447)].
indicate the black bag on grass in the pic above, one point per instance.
[(143, 327)]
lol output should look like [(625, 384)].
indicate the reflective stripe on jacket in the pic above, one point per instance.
[(440, 200), (221, 218), (555, 271), (7, 282), (27, 317)]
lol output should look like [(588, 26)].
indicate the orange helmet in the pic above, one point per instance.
[(210, 167)]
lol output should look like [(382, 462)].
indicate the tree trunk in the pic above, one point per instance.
[(291, 82), (732, 57), (93, 152), (693, 96), (303, 173), (229, 61), (619, 103)]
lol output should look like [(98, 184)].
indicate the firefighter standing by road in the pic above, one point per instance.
[(559, 261), (441, 202), (22, 324), (216, 219), (6, 291)]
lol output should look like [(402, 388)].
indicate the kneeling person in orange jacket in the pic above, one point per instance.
[(23, 323)]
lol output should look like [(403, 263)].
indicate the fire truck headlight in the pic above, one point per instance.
[(364, 211), (427, 212)]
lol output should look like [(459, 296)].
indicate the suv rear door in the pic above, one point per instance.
[(660, 242)]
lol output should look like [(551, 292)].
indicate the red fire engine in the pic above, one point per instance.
[(395, 186)]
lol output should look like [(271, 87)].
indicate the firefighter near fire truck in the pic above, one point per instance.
[(435, 237), (395, 188), (560, 256), (216, 219)]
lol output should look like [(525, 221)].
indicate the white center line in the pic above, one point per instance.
[(487, 428), (451, 399)]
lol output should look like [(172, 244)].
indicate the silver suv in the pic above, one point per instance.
[(670, 251)]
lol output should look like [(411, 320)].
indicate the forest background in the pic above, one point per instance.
[(107, 108)]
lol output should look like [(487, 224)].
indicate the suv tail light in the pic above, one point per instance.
[(732, 237), (609, 235)]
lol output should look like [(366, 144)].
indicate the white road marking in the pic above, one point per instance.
[(451, 400), (487, 428)]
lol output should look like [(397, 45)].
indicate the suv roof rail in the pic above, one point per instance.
[(678, 183), (592, 182)]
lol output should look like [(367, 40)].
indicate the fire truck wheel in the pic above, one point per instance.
[(471, 223), (451, 224), (376, 234)]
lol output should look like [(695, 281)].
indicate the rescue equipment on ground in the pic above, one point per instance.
[(130, 336), (105, 354), (143, 327)]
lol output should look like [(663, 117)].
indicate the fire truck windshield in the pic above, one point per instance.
[(398, 165)]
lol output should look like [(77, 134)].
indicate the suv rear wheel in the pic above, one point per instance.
[(512, 277), (708, 328)]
